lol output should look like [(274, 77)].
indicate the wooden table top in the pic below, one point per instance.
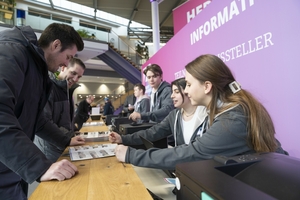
[(102, 178), (94, 128)]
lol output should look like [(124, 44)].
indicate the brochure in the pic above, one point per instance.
[(95, 136), (91, 151), (93, 124)]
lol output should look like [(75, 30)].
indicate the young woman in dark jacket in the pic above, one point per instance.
[(184, 123)]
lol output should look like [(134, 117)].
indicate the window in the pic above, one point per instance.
[(38, 13), (61, 19), (94, 26), (46, 15)]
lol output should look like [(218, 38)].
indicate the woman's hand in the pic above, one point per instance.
[(120, 152)]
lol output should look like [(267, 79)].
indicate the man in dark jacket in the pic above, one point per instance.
[(108, 107), (25, 87), (59, 110), (142, 103), (161, 103), (83, 112)]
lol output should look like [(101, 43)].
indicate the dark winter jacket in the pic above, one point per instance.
[(226, 136), (171, 125), (83, 110), (24, 90), (108, 109), (142, 105), (163, 104), (59, 112)]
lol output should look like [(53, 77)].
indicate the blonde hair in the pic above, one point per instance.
[(261, 131)]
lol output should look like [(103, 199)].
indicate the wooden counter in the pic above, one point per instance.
[(102, 178), (93, 128)]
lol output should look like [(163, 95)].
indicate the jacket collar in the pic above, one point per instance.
[(62, 83)]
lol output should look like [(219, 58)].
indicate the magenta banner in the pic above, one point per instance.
[(259, 41), (184, 13)]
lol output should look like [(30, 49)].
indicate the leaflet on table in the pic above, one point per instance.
[(91, 151), (95, 134), (93, 124)]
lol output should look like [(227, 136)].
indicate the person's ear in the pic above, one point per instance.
[(56, 45), (207, 87), (63, 68)]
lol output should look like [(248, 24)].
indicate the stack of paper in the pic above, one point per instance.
[(95, 136), (93, 124), (91, 151)]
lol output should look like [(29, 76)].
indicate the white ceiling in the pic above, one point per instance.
[(95, 79), (135, 10)]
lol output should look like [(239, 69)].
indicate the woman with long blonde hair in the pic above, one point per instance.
[(222, 95)]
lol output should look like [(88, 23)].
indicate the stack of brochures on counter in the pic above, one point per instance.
[(95, 136), (91, 151), (93, 124)]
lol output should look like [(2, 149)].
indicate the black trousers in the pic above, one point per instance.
[(79, 120), (24, 186)]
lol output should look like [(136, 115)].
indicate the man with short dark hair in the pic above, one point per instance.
[(161, 103), (59, 110), (142, 104), (25, 87)]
